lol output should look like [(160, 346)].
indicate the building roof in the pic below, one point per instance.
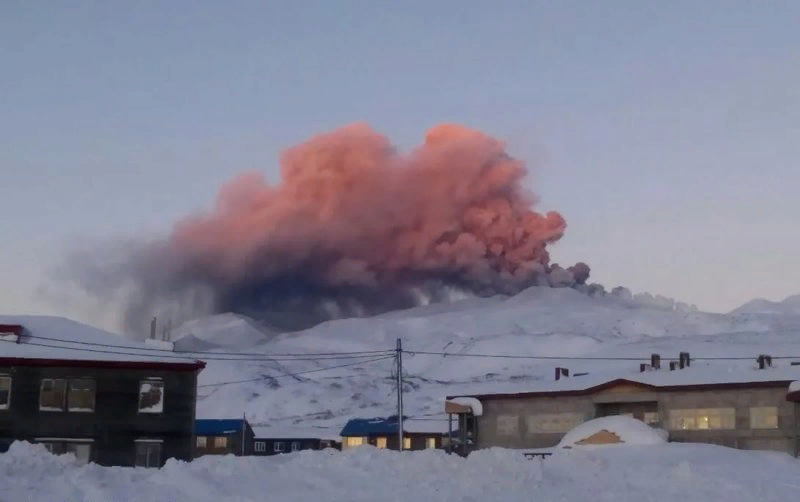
[(56, 341), (696, 377), (296, 432), (218, 426), (381, 426)]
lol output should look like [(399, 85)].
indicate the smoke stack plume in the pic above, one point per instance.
[(353, 228)]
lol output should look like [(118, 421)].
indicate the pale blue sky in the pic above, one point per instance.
[(670, 131)]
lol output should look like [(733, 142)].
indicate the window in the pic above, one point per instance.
[(52, 394), (202, 442), (764, 417), (148, 453), (5, 392), (702, 419), (553, 423), (295, 445), (81, 395), (507, 425), (260, 446), (151, 396), (430, 443), (380, 442), (651, 418), (82, 451), (406, 443), (220, 442), (278, 447), (354, 441)]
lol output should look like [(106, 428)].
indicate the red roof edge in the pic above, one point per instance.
[(77, 363), (793, 396), (15, 329), (622, 381)]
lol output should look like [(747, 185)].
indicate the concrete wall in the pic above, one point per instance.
[(506, 422)]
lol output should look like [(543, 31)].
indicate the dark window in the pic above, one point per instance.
[(151, 396), (5, 392), (148, 454), (260, 446), (81, 395), (295, 445), (53, 394), (82, 450), (279, 446)]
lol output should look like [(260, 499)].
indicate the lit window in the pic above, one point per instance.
[(354, 441), (553, 423), (702, 419), (220, 442), (764, 417), (5, 391), (81, 395), (430, 443), (381, 442), (151, 396), (260, 446), (651, 417), (406, 443), (52, 394), (202, 441)]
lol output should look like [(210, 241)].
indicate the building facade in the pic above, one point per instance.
[(755, 412), (223, 437), (113, 413), (279, 440), (382, 433)]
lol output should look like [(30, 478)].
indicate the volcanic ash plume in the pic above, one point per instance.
[(357, 228)]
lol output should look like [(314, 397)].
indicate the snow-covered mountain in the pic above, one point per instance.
[(283, 390)]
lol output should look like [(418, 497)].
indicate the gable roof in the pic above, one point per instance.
[(689, 379), (380, 426), (56, 341), (218, 426)]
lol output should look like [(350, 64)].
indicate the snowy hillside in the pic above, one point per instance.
[(274, 385), (686, 472)]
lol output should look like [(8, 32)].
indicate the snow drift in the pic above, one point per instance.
[(670, 472)]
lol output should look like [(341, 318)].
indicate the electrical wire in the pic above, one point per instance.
[(317, 370), (583, 358)]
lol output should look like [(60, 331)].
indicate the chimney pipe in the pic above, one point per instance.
[(764, 361), (673, 365), (642, 367), (684, 360), (655, 361), (561, 372)]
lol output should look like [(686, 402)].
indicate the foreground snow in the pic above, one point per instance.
[(666, 472)]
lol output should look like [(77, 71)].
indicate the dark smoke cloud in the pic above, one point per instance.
[(354, 228)]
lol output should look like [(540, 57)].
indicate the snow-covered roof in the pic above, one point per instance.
[(630, 431), (296, 432), (695, 376), (469, 402), (57, 338)]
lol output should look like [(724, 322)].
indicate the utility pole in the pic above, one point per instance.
[(399, 395)]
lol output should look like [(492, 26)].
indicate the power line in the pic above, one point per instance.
[(584, 358), (218, 384), (156, 349), (206, 358)]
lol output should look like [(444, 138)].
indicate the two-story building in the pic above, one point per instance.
[(102, 398), (755, 407)]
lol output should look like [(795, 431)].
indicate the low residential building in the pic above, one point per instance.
[(746, 408), (382, 433), (223, 437), (274, 440), (102, 398)]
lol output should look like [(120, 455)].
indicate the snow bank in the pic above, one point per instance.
[(630, 431), (683, 472)]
